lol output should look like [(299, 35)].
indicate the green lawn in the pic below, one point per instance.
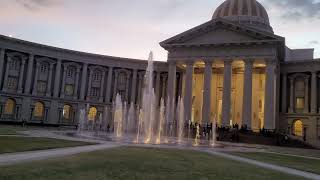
[(299, 163), (10, 144), (139, 164), (11, 130), (296, 151)]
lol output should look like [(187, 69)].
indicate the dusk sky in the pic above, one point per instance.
[(131, 28)]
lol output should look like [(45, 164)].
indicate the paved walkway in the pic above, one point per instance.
[(15, 158)]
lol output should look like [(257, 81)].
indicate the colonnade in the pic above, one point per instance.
[(270, 92)]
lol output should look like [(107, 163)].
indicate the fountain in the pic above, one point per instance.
[(148, 123), (161, 121), (118, 116)]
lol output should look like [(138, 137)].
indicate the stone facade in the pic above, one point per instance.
[(33, 74), (233, 69)]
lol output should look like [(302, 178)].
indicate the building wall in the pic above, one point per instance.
[(31, 73)]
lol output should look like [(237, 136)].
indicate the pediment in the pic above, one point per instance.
[(219, 35), (220, 32)]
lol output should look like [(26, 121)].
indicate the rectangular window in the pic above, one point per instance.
[(300, 103), (69, 90), (12, 83), (94, 92), (42, 86)]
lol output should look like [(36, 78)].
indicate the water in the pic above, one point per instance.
[(147, 123), (161, 121), (118, 116)]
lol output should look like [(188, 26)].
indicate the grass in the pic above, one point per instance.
[(9, 144), (296, 151), (300, 163), (139, 164), (11, 130)]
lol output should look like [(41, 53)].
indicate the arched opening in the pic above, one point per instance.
[(9, 107), (298, 128), (38, 110), (92, 114), (67, 109)]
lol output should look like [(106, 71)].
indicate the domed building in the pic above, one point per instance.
[(232, 69)]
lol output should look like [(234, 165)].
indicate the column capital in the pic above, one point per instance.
[(270, 62), (227, 62), (208, 62), (249, 62), (189, 63)]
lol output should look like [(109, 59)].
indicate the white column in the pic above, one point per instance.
[(314, 98), (21, 74), (306, 96), (75, 92), (115, 86), (171, 91), (247, 95), (188, 91), (206, 107), (226, 99), (83, 81), (140, 84), (284, 93), (6, 73), (57, 79), (89, 84), (291, 106), (270, 91), (48, 94), (62, 91), (2, 54), (35, 82), (134, 86), (127, 88), (102, 86), (109, 84)]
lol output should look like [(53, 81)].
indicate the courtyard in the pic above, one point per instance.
[(56, 155)]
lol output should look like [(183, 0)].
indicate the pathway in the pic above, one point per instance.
[(15, 158)]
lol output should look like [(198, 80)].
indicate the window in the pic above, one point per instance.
[(41, 86), (94, 92), (298, 128), (69, 89), (300, 103), (92, 114), (12, 83), (70, 72), (14, 64), (97, 76), (43, 68), (38, 110), (9, 107), (122, 81), (67, 112)]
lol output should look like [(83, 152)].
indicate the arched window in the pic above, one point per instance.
[(92, 114), (67, 112), (9, 107), (38, 110), (298, 128)]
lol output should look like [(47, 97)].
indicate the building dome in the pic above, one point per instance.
[(249, 12)]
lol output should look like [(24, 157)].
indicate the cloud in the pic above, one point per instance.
[(296, 9), (314, 42), (36, 5)]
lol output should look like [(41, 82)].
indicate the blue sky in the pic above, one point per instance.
[(131, 28)]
